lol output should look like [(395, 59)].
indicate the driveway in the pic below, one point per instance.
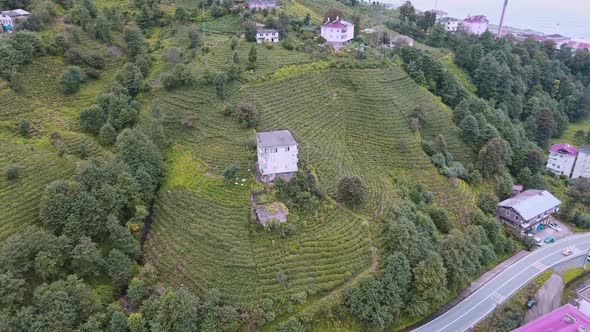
[(547, 231), (548, 298)]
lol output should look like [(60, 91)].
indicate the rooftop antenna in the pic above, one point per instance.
[(502, 19)]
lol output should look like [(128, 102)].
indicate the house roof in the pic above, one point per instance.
[(476, 19), (262, 2), (578, 44), (272, 138), (16, 12), (273, 211), (266, 31), (531, 203), (563, 319), (338, 23), (517, 187), (404, 38), (564, 148)]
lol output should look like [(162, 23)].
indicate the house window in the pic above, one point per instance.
[(276, 150), (287, 149)]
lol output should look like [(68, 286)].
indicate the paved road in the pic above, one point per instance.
[(478, 305)]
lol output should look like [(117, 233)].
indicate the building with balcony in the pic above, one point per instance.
[(277, 155), (562, 158), (527, 210), (337, 33)]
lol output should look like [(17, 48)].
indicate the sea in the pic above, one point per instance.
[(570, 18)]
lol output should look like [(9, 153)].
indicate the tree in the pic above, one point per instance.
[(493, 157), (16, 81), (407, 13), (429, 285), (178, 310), (86, 258), (118, 322), (119, 267), (461, 257), (252, 58), (136, 292), (107, 134), (364, 300), (24, 128), (397, 279), (487, 202), (353, 192), (333, 14), (441, 219), (246, 114), (535, 160), (545, 127), (71, 79), (12, 291), (402, 236), (291, 325), (220, 85), (135, 41), (131, 78), (469, 129), (440, 144)]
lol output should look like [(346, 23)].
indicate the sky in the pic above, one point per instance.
[(570, 18)]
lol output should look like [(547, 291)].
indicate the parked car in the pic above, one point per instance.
[(588, 257), (538, 241), (567, 252), (554, 226), (531, 303), (549, 239)]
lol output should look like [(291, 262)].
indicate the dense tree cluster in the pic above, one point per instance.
[(425, 261)]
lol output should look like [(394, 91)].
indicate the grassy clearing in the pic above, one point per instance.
[(569, 135)]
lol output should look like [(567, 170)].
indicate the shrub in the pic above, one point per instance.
[(487, 202), (16, 81), (24, 128), (230, 172), (107, 135), (228, 111), (83, 151), (173, 55), (353, 192), (246, 114), (94, 60), (71, 79), (12, 172), (581, 220)]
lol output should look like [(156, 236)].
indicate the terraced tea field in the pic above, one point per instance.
[(49, 111), (348, 122)]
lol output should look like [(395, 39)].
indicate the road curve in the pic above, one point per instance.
[(482, 302)]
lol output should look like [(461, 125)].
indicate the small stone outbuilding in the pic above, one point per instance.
[(272, 213)]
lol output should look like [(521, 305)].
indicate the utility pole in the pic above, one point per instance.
[(502, 19)]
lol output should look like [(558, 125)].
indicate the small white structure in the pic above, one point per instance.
[(16, 14), (6, 22), (262, 4), (277, 155), (562, 158), (267, 36), (338, 32), (401, 40), (582, 167), (476, 24), (452, 25)]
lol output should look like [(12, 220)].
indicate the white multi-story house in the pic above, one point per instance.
[(338, 32), (277, 155), (267, 36), (262, 4), (452, 25), (476, 24), (582, 167), (562, 158)]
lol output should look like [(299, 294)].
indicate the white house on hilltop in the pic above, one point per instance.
[(267, 36), (277, 155), (475, 24), (582, 168), (338, 32), (562, 158)]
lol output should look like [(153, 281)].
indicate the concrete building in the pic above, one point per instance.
[(277, 155), (582, 167), (261, 4), (401, 40), (267, 36), (338, 32), (563, 319), (272, 213), (562, 158), (6, 23), (476, 24), (527, 210), (452, 25)]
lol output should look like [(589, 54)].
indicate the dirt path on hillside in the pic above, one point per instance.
[(548, 298)]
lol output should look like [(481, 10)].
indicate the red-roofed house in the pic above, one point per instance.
[(579, 44), (562, 158), (476, 24), (562, 319), (338, 32)]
